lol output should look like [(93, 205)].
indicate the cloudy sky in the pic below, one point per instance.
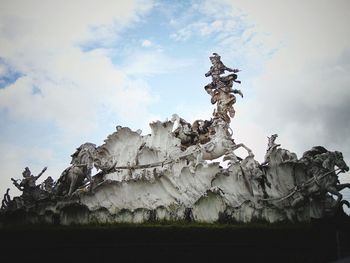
[(70, 71)]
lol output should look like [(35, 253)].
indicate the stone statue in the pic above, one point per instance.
[(29, 181), (218, 68), (47, 185), (30, 191), (81, 165), (221, 88), (220, 144), (185, 133), (271, 146), (203, 129), (6, 201), (322, 176), (174, 174)]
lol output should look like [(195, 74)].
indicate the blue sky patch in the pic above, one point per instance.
[(8, 75)]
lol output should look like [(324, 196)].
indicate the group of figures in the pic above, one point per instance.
[(217, 129), (76, 175), (166, 175), (220, 89)]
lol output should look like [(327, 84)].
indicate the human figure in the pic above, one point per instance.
[(221, 90), (28, 184), (271, 146), (6, 201), (47, 185), (216, 70)]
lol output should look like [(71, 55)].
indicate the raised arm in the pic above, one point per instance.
[(41, 173), (231, 70), (208, 73), (17, 184)]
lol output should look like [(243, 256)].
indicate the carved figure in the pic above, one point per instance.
[(185, 132), (220, 144), (31, 191), (81, 165), (203, 129), (322, 177), (165, 175), (225, 99), (271, 146), (6, 201), (218, 68), (221, 89), (47, 185)]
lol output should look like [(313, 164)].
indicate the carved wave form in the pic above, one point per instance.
[(150, 178), (172, 188)]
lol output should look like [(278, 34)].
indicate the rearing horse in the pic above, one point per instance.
[(81, 165), (320, 168), (220, 144)]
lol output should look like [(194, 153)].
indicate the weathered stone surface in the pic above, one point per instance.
[(167, 175), (153, 179)]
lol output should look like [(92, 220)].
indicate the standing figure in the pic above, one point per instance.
[(221, 88), (216, 70), (31, 192), (47, 185)]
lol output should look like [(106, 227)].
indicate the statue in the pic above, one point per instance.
[(185, 133), (271, 146), (220, 144), (48, 184), (30, 191), (6, 201), (174, 174), (73, 176), (221, 88), (322, 176), (203, 129)]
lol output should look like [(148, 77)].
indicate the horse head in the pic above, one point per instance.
[(339, 162), (221, 128), (103, 159), (331, 159), (84, 154)]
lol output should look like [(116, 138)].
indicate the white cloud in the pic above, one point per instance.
[(146, 43), (201, 28), (74, 90), (40, 41), (3, 70), (15, 158), (301, 91), (151, 62), (319, 29), (307, 72)]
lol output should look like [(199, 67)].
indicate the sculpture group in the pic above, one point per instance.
[(166, 175)]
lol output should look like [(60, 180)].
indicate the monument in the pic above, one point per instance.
[(167, 176)]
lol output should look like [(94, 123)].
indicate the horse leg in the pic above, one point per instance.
[(72, 185), (250, 152), (232, 112), (88, 177), (230, 155), (340, 187), (333, 190), (297, 201), (200, 159)]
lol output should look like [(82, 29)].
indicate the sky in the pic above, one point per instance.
[(71, 71)]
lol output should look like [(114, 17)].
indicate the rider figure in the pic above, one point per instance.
[(28, 183), (218, 68)]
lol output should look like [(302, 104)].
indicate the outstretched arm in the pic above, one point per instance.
[(207, 74), (17, 184), (41, 173), (231, 70)]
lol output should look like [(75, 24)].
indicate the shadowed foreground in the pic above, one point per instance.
[(321, 241)]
